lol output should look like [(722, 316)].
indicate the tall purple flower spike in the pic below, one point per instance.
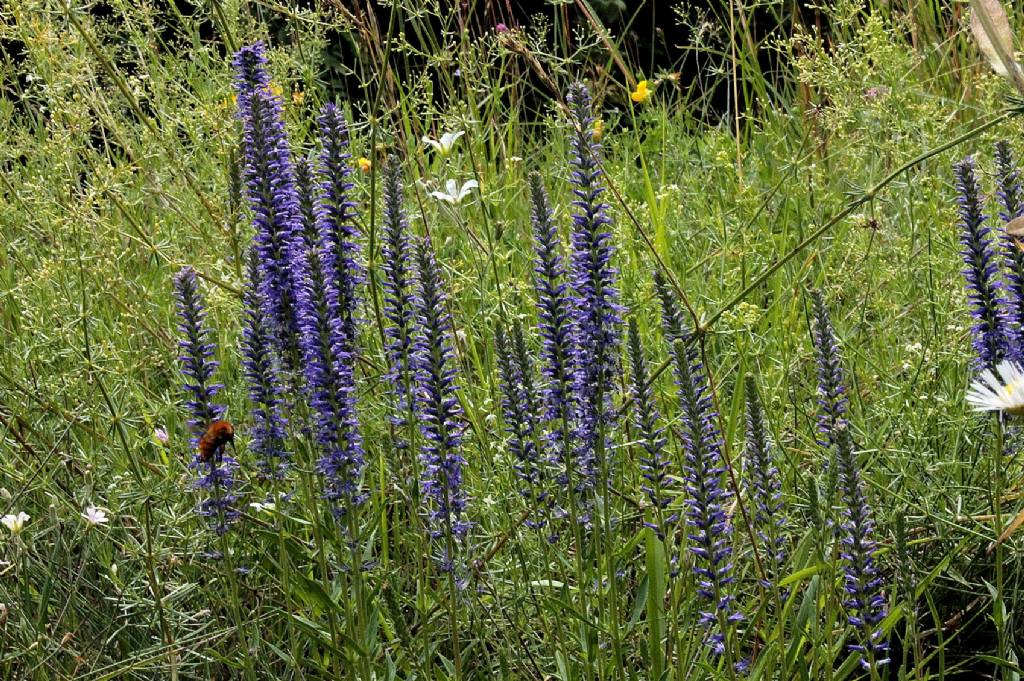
[(655, 461), (596, 312), (399, 302), (442, 422), (763, 487), (326, 277), (259, 364), (216, 476), (337, 215), (554, 325), (865, 604), (984, 294), (270, 183), (1011, 201), (711, 530), (520, 409)]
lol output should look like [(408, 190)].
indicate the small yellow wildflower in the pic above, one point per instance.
[(641, 94), (364, 164), (276, 90), (598, 130), (298, 96)]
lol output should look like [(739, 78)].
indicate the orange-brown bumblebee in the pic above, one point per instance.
[(213, 441)]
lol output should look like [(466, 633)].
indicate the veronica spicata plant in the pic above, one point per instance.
[(655, 461), (711, 531), (442, 422), (1011, 201), (269, 427), (399, 310), (554, 325), (324, 300), (673, 323), (215, 476), (984, 291), (270, 182), (337, 216), (596, 313), (764, 485), (519, 405), (865, 604)]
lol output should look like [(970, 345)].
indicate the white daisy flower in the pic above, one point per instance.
[(999, 390)]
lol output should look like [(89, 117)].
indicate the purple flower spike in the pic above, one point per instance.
[(328, 358), (673, 323), (442, 422), (265, 388), (337, 215), (217, 479), (654, 462), (711, 530), (1012, 205), (399, 299), (596, 311), (270, 182), (763, 487), (215, 476), (832, 402), (519, 405), (197, 350), (983, 290), (554, 325), (865, 604), (308, 198)]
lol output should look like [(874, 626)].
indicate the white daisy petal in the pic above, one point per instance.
[(998, 390)]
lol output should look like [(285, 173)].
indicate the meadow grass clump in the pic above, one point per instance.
[(499, 367)]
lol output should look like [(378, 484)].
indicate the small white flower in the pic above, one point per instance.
[(95, 516), (268, 506), (15, 523), (999, 390), (160, 433), (446, 143), (453, 193)]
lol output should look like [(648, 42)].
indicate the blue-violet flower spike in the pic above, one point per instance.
[(215, 476), (711, 530), (654, 462), (261, 372), (596, 311), (1012, 204), (270, 181), (865, 604), (983, 289), (442, 423)]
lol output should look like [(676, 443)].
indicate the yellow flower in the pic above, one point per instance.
[(364, 164), (598, 130), (641, 94), (276, 90), (298, 96)]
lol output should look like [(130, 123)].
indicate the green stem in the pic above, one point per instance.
[(997, 514), (236, 602)]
